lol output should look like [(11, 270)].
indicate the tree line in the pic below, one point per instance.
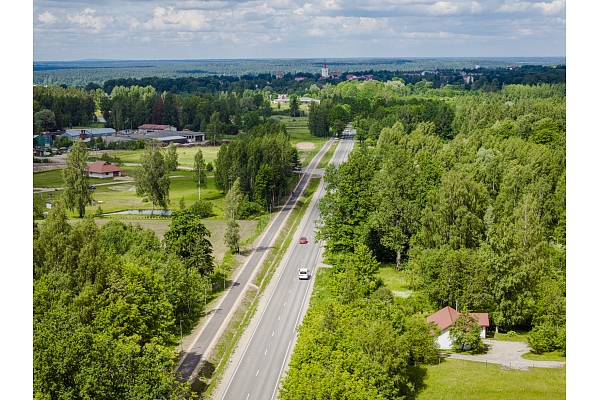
[(263, 162)]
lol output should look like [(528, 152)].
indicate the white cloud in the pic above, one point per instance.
[(550, 8), (443, 8), (86, 17), (177, 20), (435, 35), (476, 8), (47, 17), (514, 6)]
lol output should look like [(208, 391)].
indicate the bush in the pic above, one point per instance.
[(249, 209), (546, 338), (209, 167), (202, 208), (511, 334)]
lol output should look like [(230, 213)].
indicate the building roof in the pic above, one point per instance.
[(102, 167), (482, 318), (154, 126), (176, 137), (446, 316)]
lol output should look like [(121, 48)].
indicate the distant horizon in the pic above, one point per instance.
[(306, 58)]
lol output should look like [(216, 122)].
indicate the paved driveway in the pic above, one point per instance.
[(508, 354)]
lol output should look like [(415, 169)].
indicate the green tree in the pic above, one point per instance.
[(294, 104), (233, 200), (232, 236), (214, 129), (187, 239), (396, 190), (152, 177), (77, 193), (171, 158), (44, 119), (199, 171), (465, 333)]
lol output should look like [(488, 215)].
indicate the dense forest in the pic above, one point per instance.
[(465, 192), (105, 305)]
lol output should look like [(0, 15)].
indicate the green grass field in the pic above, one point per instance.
[(394, 280), (185, 155), (122, 196), (551, 356), (458, 379), (161, 224), (53, 179)]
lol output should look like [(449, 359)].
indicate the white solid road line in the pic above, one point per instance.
[(281, 370)]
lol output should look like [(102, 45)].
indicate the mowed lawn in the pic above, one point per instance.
[(53, 179), (458, 379), (122, 196), (185, 155)]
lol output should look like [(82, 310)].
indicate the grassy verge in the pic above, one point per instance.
[(550, 356), (458, 379), (516, 337), (327, 156), (241, 318)]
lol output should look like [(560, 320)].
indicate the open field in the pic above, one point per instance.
[(458, 379), (185, 155), (120, 197), (161, 224), (53, 179)]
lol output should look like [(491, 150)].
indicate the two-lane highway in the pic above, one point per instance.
[(264, 358)]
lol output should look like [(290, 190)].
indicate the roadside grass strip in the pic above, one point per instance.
[(229, 340), (327, 156)]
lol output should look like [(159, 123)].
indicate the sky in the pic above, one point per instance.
[(68, 30)]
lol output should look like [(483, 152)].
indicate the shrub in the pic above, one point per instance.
[(546, 338), (202, 208), (511, 334), (249, 209)]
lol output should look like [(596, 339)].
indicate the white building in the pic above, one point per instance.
[(325, 70)]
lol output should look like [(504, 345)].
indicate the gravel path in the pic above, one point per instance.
[(509, 355)]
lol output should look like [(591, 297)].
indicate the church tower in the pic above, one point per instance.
[(324, 70)]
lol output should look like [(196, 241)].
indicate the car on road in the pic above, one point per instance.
[(303, 273), (303, 240), (92, 187)]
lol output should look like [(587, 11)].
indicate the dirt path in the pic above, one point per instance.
[(509, 355)]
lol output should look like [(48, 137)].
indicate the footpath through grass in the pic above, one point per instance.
[(458, 379)]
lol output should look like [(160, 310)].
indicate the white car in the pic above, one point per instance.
[(303, 273)]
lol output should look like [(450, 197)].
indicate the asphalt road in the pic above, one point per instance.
[(266, 355), (192, 356)]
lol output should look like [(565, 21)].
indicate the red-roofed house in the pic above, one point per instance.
[(444, 318), (103, 169)]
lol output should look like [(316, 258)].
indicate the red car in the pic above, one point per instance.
[(303, 240)]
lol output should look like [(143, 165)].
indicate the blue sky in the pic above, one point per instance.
[(190, 29)]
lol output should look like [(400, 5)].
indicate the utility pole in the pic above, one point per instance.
[(180, 335)]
